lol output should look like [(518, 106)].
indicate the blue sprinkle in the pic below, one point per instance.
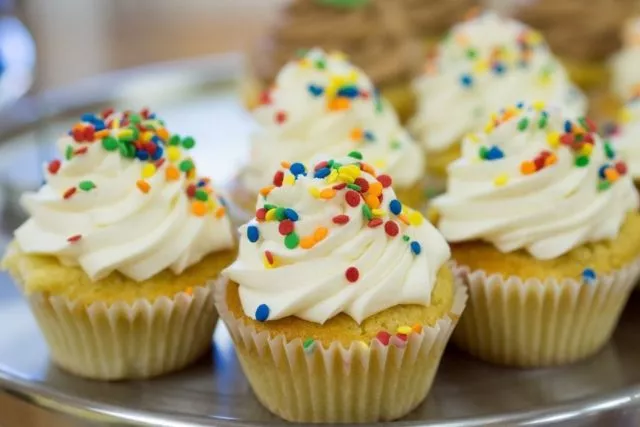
[(298, 169), (499, 68), (494, 153), (88, 117), (158, 154), (152, 116), (588, 275), (262, 312), (395, 207), (567, 126), (349, 92), (466, 80), (99, 125), (368, 135), (291, 214), (520, 105), (222, 201), (142, 155), (315, 90), (253, 234), (416, 248), (156, 139), (602, 169), (322, 173)]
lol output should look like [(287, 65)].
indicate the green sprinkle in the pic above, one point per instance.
[(135, 118), (336, 165), (135, 133), (86, 185), (542, 123), (186, 165), (174, 140), (603, 185), (291, 240), (583, 123), (523, 123), (109, 143), (354, 187), (127, 138), (301, 53), (582, 161), (201, 195), (406, 238), (609, 151), (366, 212), (280, 214), (472, 53), (355, 155), (307, 343), (68, 152), (320, 64), (483, 152), (579, 137), (269, 206), (395, 145), (188, 142)]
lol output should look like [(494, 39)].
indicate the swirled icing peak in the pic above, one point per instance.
[(126, 197), (624, 63), (323, 105), (333, 239), (537, 180), (482, 65)]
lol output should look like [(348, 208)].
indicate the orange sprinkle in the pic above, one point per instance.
[(220, 212), (320, 233), (404, 219), (338, 104), (102, 134), (285, 164), (372, 201), (417, 328), (264, 191), (198, 208), (163, 133), (367, 168), (307, 242), (356, 134), (78, 127), (611, 174), (327, 193), (527, 168), (171, 173), (551, 160), (375, 189), (143, 186), (189, 291)]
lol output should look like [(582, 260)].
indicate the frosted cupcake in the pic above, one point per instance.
[(626, 138), (376, 34), (542, 218), (625, 79), (482, 65), (323, 105), (340, 297), (121, 241)]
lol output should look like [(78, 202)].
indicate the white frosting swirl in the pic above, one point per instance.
[(625, 79), (536, 181), (334, 259), (323, 105), (481, 66), (105, 210), (627, 137)]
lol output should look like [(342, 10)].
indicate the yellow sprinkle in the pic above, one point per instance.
[(378, 212), (270, 215), (625, 115), (473, 138), (553, 139), (489, 127), (351, 170), (115, 123), (198, 208), (320, 233), (415, 218), (146, 136), (338, 56), (586, 149), (314, 192), (304, 63), (481, 66), (538, 105), (333, 176), (501, 179), (125, 133), (173, 153), (171, 173), (380, 164), (143, 186), (346, 178), (404, 330), (288, 180), (148, 170)]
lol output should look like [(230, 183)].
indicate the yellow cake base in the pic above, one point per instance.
[(587, 75), (438, 161)]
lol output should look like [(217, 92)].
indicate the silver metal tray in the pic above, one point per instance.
[(199, 98)]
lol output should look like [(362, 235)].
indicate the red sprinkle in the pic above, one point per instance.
[(89, 133), (621, 167), (588, 138), (281, 117), (322, 164), (151, 148), (383, 337), (403, 337), (352, 274), (285, 227), (375, 222), (391, 228), (160, 162), (106, 113), (265, 97), (352, 198), (81, 150), (364, 94), (567, 139), (269, 256), (341, 219), (54, 166), (590, 124), (362, 183), (539, 162), (144, 113), (74, 238), (191, 190), (340, 186), (70, 192), (278, 178), (78, 134), (385, 180), (261, 214)]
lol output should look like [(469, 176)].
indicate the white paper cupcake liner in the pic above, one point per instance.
[(534, 323), (334, 384), (126, 341)]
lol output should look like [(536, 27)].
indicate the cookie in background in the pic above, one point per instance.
[(375, 34)]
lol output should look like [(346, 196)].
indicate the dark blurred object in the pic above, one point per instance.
[(17, 56), (432, 18)]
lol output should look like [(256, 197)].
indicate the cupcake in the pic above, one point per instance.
[(582, 34), (625, 80), (483, 64), (323, 105), (542, 218), (340, 298), (120, 244), (626, 137), (431, 19), (374, 33)]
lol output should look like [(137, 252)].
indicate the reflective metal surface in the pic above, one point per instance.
[(199, 98)]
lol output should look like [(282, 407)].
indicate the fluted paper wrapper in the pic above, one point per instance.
[(126, 341), (361, 383), (534, 323)]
